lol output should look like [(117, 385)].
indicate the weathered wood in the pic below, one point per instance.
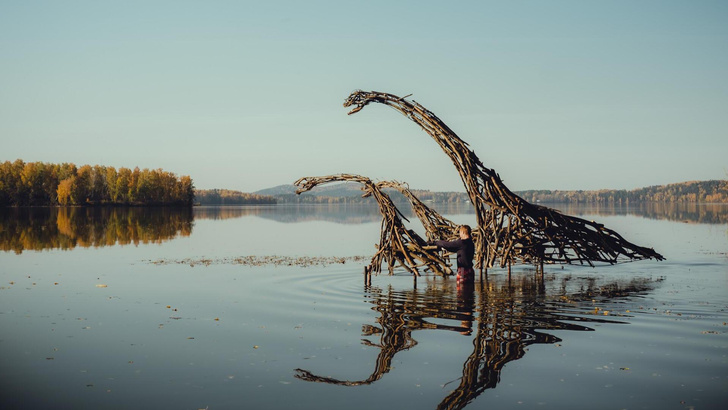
[(511, 229), (398, 246)]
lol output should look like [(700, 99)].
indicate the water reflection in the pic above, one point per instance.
[(338, 213), (23, 229), (364, 213), (506, 316), (40, 228), (671, 211)]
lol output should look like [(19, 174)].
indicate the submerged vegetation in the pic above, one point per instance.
[(43, 184), (275, 260)]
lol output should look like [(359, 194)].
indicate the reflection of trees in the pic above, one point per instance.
[(671, 211), (229, 212), (365, 213), (508, 316), (65, 228), (337, 213)]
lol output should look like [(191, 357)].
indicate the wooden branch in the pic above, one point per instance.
[(398, 246)]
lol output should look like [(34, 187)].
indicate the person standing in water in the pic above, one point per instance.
[(465, 250)]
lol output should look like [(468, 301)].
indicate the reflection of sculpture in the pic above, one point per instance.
[(511, 229), (506, 327), (508, 317), (401, 314), (394, 336)]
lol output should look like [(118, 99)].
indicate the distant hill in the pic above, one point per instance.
[(345, 192), (344, 189), (350, 192), (278, 190)]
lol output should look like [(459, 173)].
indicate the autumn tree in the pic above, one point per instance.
[(64, 190), (38, 183)]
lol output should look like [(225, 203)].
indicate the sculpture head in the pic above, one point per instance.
[(359, 99)]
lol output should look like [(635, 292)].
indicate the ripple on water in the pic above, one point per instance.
[(318, 291)]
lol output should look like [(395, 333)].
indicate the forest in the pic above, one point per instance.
[(43, 184)]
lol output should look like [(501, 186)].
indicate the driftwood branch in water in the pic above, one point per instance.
[(397, 244), (510, 229), (436, 226)]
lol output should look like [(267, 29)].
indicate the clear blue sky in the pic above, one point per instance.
[(248, 95)]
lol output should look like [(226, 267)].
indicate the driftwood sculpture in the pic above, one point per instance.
[(510, 229), (397, 244)]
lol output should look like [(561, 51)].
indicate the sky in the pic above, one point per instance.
[(248, 95)]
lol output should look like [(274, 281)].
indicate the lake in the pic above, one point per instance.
[(267, 307)]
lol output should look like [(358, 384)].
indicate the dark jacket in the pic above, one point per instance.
[(465, 250)]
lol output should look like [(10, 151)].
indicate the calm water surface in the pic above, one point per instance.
[(149, 308)]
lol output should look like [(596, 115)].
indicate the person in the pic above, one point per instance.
[(465, 250)]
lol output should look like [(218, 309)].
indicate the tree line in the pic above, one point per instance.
[(230, 197), (44, 184), (714, 191)]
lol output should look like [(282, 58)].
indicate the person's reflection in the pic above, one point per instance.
[(499, 339), (465, 306)]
